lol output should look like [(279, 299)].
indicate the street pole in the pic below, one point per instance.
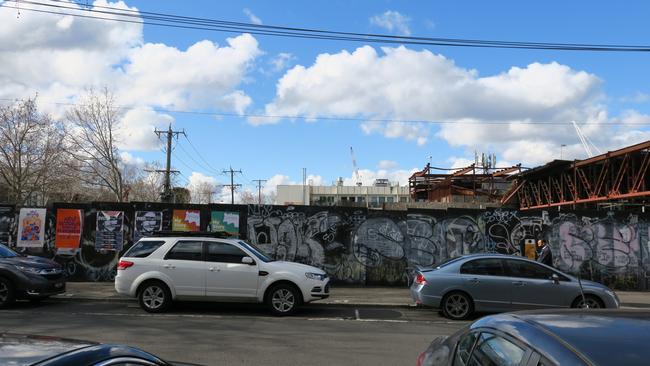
[(167, 194), (232, 183), (259, 189)]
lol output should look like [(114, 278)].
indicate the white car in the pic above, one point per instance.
[(159, 270)]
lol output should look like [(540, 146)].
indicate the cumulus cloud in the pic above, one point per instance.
[(392, 21), (523, 113), (137, 127), (281, 61), (387, 164), (252, 17), (72, 54)]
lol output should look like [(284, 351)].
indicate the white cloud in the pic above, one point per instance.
[(281, 61), (392, 21), (387, 164), (72, 54), (129, 159), (523, 114), (368, 176), (252, 17), (639, 97), (136, 131)]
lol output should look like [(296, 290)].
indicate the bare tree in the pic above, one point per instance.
[(31, 152), (248, 198), (202, 192), (93, 125), (143, 183)]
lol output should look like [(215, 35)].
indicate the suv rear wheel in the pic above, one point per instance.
[(154, 297), (6, 292), (283, 299)]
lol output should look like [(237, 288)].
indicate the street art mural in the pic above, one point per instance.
[(360, 246)]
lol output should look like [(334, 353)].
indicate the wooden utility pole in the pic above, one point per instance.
[(232, 184), (259, 189), (167, 192)]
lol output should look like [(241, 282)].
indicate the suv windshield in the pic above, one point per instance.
[(257, 251), (6, 252)]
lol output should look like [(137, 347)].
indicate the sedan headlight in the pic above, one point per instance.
[(30, 269), (316, 276)]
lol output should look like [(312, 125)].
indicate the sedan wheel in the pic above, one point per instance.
[(6, 293), (154, 298), (283, 300), (588, 302), (457, 306)]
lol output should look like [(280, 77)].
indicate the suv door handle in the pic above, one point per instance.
[(169, 266), (519, 283), (473, 280)]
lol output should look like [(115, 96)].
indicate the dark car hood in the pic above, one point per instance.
[(22, 350), (31, 261)]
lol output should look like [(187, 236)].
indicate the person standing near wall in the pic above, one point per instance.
[(544, 254)]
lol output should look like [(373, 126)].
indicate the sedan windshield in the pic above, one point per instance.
[(257, 251), (6, 252)]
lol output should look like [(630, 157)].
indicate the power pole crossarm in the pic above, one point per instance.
[(259, 189), (170, 135), (232, 184)]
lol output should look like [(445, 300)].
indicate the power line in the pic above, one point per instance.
[(175, 21), (199, 154), (352, 119)]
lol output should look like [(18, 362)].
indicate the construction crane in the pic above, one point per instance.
[(587, 144), (356, 169)]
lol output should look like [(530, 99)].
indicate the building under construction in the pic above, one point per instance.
[(617, 178), (474, 183)]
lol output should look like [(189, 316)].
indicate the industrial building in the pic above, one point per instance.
[(381, 192)]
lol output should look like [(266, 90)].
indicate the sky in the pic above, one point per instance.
[(399, 107)]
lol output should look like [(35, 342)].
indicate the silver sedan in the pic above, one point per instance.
[(496, 283)]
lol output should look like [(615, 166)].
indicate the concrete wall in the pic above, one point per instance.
[(359, 246)]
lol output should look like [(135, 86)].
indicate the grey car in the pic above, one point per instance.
[(496, 283)]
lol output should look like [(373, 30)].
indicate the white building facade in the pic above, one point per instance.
[(340, 195)]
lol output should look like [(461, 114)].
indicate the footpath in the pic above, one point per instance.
[(343, 296)]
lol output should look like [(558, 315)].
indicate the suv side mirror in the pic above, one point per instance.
[(556, 279), (247, 260)]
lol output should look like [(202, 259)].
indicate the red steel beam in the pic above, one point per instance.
[(615, 153), (588, 200)]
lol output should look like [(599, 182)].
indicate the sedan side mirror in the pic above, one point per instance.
[(247, 260), (556, 279)]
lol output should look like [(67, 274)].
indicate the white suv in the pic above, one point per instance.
[(158, 270)]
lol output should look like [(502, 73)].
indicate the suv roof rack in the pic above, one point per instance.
[(203, 234)]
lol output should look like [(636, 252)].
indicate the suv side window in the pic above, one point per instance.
[(485, 267), (186, 250), (461, 358), (493, 350), (523, 269), (143, 248), (224, 252)]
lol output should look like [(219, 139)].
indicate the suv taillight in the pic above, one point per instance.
[(420, 280), (124, 265)]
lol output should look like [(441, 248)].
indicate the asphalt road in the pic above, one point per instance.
[(234, 334)]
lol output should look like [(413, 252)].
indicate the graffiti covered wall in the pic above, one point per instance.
[(369, 247)]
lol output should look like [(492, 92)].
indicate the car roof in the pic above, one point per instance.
[(16, 349), (598, 337), (174, 238)]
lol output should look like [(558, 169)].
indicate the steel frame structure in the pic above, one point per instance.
[(615, 175)]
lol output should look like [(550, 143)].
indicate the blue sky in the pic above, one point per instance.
[(594, 88)]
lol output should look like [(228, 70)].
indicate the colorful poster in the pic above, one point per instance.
[(223, 221), (109, 234), (6, 219), (68, 229), (31, 228), (146, 222), (186, 220)]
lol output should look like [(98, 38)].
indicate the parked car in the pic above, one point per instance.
[(27, 277), (547, 338), (23, 350), (495, 283), (158, 270)]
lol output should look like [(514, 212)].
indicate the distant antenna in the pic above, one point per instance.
[(354, 166)]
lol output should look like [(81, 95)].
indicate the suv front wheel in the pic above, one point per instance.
[(283, 299), (6, 292), (154, 297)]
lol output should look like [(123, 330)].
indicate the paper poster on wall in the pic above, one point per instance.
[(186, 220), (146, 222), (109, 234), (225, 221), (68, 229), (31, 228), (529, 249), (6, 218)]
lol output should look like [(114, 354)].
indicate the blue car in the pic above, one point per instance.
[(498, 283), (568, 337)]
